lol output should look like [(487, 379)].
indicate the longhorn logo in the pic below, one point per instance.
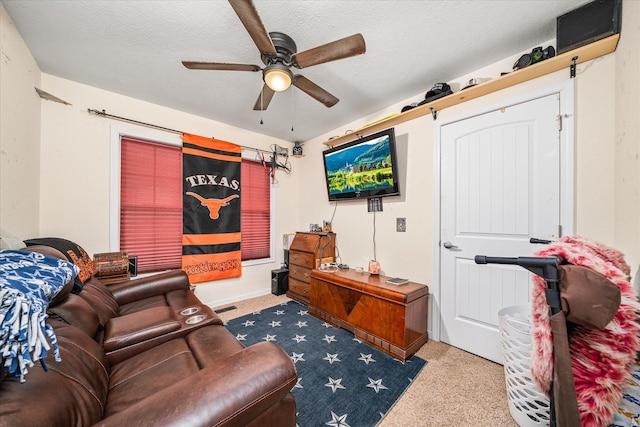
[(213, 205)]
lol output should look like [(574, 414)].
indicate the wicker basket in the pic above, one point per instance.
[(527, 405)]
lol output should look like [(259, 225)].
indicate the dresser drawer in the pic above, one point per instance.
[(299, 287), (297, 272), (301, 258)]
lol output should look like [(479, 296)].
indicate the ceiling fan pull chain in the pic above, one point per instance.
[(292, 109), (261, 103)]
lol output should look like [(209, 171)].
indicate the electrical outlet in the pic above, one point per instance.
[(374, 204), (401, 225)]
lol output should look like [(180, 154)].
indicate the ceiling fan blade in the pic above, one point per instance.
[(343, 48), (314, 91), (248, 14), (264, 98), (194, 65)]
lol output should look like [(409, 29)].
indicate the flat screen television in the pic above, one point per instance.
[(364, 168)]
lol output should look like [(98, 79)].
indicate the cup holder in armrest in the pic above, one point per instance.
[(189, 311), (195, 319)]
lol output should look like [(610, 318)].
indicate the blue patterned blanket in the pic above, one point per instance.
[(28, 283), (629, 406)]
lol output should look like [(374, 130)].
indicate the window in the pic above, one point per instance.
[(151, 205)]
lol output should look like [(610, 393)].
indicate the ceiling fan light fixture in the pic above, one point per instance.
[(277, 77)]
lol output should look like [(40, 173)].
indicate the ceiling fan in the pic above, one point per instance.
[(279, 54)]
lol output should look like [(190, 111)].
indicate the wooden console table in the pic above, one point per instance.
[(392, 318)]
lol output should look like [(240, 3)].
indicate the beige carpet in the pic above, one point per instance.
[(456, 388)]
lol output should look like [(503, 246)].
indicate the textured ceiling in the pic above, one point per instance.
[(135, 48)]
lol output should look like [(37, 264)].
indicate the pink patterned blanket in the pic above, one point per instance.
[(601, 359)]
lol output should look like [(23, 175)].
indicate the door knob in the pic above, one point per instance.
[(449, 245), (539, 241)]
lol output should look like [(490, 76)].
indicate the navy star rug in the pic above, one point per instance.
[(342, 382)]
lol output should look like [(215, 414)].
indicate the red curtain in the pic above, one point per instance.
[(256, 212), (151, 204)]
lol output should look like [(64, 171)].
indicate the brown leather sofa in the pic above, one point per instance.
[(138, 354)]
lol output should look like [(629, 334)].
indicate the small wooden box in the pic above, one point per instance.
[(110, 264)]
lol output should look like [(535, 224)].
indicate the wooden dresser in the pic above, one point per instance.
[(392, 318), (304, 255)]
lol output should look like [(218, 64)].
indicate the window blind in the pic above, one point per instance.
[(151, 204), (256, 211)]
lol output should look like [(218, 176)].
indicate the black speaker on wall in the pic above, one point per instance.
[(279, 281), (588, 23)]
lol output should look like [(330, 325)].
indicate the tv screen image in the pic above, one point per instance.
[(364, 168)]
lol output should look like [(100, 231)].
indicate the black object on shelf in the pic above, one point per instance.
[(588, 23)]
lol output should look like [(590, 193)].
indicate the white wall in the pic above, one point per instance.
[(19, 134), (627, 136), (405, 254), (75, 172)]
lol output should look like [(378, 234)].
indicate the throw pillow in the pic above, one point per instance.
[(74, 253)]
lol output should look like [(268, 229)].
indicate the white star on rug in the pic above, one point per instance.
[(249, 323), (301, 324), (257, 312), (299, 338), (241, 337), (329, 338), (335, 384), (269, 337), (327, 325), (303, 313), (297, 357), (357, 340), (275, 323), (279, 313), (376, 385), (338, 420), (332, 358), (298, 385), (366, 358)]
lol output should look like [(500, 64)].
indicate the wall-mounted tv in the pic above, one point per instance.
[(366, 167)]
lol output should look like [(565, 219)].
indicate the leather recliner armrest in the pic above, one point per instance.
[(145, 287), (138, 327), (233, 391)]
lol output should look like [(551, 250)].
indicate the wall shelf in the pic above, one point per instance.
[(582, 54)]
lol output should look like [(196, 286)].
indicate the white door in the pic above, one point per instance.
[(500, 186)]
